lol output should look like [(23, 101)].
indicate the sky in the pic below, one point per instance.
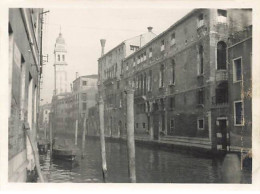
[(82, 29)]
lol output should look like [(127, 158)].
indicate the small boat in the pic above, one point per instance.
[(64, 149), (43, 145)]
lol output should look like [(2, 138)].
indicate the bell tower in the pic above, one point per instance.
[(60, 66)]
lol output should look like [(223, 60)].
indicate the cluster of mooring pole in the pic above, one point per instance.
[(130, 136), (130, 130)]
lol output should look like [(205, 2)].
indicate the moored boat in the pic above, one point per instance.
[(64, 149)]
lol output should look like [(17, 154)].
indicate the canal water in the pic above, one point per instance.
[(152, 166)]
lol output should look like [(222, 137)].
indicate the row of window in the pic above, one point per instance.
[(221, 65)]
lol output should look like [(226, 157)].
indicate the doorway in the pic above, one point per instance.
[(224, 133)]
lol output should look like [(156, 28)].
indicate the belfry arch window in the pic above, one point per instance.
[(221, 55)]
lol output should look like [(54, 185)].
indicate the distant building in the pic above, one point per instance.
[(24, 29), (85, 96), (44, 120)]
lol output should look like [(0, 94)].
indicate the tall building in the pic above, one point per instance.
[(60, 66), (24, 29)]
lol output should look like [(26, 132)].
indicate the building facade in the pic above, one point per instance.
[(24, 73), (240, 88), (110, 68), (85, 96), (181, 80)]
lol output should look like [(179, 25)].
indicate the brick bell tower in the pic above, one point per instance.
[(60, 66)]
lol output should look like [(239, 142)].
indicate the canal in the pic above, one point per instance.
[(152, 166)]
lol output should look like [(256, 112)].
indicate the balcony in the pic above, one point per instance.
[(220, 101), (221, 75)]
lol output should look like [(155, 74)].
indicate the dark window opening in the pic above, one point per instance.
[(155, 107), (238, 113), (238, 69), (162, 76), (201, 69), (221, 55), (200, 124), (222, 12), (84, 83), (172, 102), (222, 93), (173, 71), (201, 96)]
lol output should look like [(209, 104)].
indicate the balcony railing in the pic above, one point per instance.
[(219, 101), (221, 75)]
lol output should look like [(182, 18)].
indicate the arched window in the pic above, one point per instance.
[(58, 57), (221, 55), (63, 57)]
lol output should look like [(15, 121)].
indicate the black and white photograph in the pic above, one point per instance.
[(130, 93)]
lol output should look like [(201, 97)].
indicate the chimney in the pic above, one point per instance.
[(77, 74), (103, 42), (150, 29)]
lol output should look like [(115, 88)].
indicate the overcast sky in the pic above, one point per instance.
[(83, 28)]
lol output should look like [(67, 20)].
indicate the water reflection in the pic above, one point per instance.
[(152, 166)]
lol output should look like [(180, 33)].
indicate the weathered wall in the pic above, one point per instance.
[(23, 70), (241, 91)]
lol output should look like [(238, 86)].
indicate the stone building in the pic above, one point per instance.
[(24, 29), (110, 66), (181, 80), (85, 96)]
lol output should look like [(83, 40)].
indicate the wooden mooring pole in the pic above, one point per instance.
[(102, 138), (130, 134), (83, 137), (76, 132)]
